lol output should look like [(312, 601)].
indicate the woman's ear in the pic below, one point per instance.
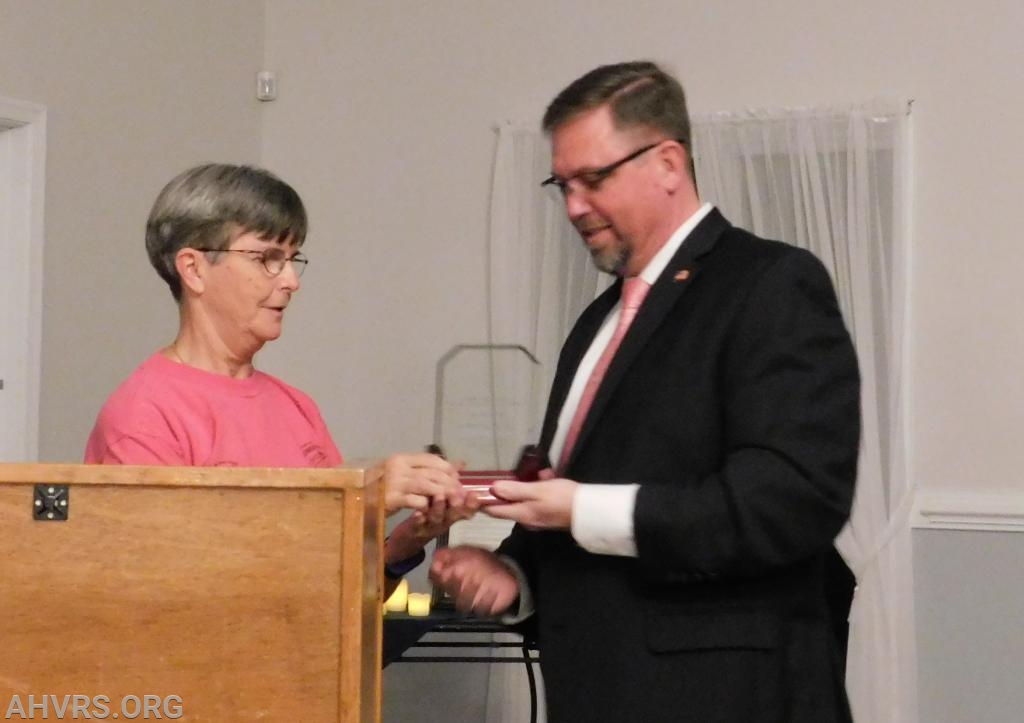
[(191, 265)]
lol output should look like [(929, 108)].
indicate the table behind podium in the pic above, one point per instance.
[(246, 594)]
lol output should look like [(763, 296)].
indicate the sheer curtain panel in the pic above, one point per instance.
[(540, 274), (540, 279), (833, 180)]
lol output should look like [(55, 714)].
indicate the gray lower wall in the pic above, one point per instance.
[(435, 692), (969, 600)]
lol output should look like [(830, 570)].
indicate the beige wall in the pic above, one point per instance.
[(385, 118), (135, 92), (384, 125)]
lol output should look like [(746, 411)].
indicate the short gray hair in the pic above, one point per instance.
[(209, 206)]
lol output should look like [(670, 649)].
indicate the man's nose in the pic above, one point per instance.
[(576, 204)]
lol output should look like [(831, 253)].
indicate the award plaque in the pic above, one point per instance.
[(532, 461)]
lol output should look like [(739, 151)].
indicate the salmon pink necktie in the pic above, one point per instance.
[(634, 290)]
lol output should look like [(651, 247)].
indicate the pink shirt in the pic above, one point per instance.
[(173, 414)]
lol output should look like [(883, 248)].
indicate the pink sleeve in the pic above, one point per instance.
[(135, 449)]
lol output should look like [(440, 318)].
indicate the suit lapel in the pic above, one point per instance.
[(671, 286), (576, 345)]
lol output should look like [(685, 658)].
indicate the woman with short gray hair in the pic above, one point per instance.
[(226, 239)]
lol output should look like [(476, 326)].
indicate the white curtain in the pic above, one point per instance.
[(540, 280), (540, 275), (832, 180)]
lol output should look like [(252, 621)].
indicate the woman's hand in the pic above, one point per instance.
[(422, 526), (411, 481)]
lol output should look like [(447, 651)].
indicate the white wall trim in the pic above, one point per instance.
[(996, 511), (26, 124)]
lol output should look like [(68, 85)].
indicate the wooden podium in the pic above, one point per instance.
[(249, 594)]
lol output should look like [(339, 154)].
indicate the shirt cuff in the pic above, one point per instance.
[(602, 519), (526, 607)]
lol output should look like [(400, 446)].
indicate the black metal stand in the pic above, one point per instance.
[(404, 632)]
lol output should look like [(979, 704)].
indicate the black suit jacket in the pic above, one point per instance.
[(734, 402)]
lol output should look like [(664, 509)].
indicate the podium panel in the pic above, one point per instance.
[(217, 594)]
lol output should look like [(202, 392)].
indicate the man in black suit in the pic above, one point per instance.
[(674, 559)]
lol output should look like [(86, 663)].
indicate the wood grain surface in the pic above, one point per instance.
[(252, 595)]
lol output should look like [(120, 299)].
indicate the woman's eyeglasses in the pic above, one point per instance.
[(273, 259)]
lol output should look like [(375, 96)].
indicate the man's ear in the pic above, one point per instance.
[(191, 265), (674, 162)]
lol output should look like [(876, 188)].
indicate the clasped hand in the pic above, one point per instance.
[(430, 486), (418, 481)]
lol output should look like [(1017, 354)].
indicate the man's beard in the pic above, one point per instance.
[(611, 259)]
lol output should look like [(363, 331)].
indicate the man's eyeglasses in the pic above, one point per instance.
[(273, 259), (591, 179)]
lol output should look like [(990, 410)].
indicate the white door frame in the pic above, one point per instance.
[(22, 188)]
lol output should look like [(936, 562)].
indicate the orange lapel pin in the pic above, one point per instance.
[(682, 275)]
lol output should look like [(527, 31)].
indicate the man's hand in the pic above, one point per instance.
[(413, 480), (477, 580), (541, 505)]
